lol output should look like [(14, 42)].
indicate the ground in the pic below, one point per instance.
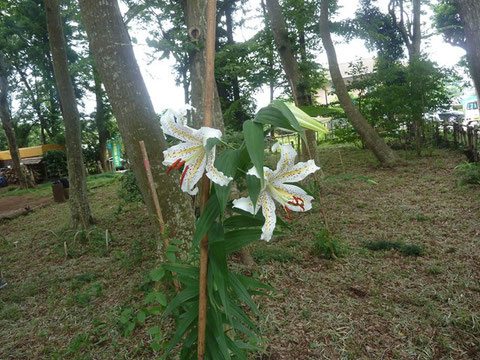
[(421, 301)]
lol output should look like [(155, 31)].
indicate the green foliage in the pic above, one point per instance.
[(267, 254), (404, 249), (56, 163), (469, 173), (129, 190), (447, 21), (327, 246)]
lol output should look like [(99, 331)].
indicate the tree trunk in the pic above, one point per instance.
[(298, 83), (101, 117), (133, 109), (469, 11), (8, 128), (195, 18), (373, 141), (35, 103), (79, 207), (229, 26)]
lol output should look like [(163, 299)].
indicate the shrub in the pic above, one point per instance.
[(469, 173), (56, 163), (129, 190), (326, 246)]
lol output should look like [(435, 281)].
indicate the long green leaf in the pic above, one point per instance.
[(272, 116), (277, 104), (254, 187), (254, 139), (186, 323), (237, 239), (227, 162), (242, 221), (207, 218)]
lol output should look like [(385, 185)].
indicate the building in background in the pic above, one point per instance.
[(327, 95)]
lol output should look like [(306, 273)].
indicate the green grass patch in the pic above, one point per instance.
[(400, 246), (269, 254)]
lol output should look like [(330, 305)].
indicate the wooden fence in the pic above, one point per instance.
[(464, 136)]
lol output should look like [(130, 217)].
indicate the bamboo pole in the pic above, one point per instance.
[(153, 191), (156, 203), (208, 103)]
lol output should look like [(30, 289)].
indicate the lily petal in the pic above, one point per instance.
[(213, 173), (296, 173), (287, 159), (172, 125), (193, 172), (205, 133), (292, 192), (182, 151), (245, 204), (268, 211)]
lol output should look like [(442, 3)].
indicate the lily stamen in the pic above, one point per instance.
[(183, 175), (171, 167)]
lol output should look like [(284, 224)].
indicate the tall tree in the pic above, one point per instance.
[(298, 83), (373, 141), (469, 11), (80, 213), (8, 128), (133, 109), (101, 118), (196, 21), (410, 31)]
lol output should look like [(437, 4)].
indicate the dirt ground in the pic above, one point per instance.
[(67, 290), (10, 206)]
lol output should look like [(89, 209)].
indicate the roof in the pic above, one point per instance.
[(33, 151), (33, 160)]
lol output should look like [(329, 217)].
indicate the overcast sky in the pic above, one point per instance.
[(160, 79)]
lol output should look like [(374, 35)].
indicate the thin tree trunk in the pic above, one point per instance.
[(373, 141), (35, 103), (195, 18), (8, 128), (80, 213), (100, 120), (469, 11), (298, 83), (133, 109), (229, 26)]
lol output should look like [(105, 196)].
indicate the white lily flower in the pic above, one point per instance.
[(191, 152), (276, 187)]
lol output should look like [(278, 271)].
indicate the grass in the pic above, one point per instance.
[(45, 189), (364, 305)]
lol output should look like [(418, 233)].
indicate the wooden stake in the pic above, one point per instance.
[(158, 210), (153, 192), (208, 121)]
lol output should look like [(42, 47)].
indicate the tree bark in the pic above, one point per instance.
[(133, 109), (469, 11), (196, 21), (298, 83), (80, 213), (373, 141), (8, 128)]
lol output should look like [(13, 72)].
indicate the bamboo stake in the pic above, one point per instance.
[(156, 203), (208, 103), (153, 192)]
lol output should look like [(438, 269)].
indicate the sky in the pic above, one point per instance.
[(160, 78)]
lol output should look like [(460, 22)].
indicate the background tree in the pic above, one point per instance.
[(469, 11), (301, 90), (79, 208), (8, 128), (133, 109), (373, 141)]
